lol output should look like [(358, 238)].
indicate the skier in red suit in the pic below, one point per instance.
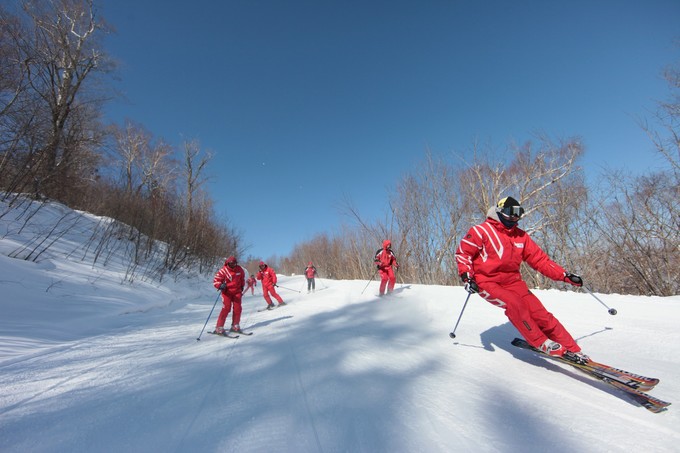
[(268, 277), (310, 273), (252, 283), (384, 260), (230, 279), (489, 258)]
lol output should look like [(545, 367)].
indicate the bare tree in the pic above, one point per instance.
[(640, 228), (13, 70), (56, 52), (428, 212), (194, 176), (131, 143)]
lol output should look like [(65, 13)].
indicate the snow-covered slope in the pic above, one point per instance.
[(88, 364)]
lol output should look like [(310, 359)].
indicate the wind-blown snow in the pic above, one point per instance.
[(90, 364)]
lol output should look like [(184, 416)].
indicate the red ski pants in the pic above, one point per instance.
[(527, 314), (229, 300), (387, 279), (267, 290)]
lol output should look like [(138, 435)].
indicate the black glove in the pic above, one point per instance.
[(222, 286), (574, 279), (470, 283)]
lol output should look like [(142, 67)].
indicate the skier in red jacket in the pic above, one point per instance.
[(230, 279), (252, 283), (268, 277), (310, 273), (384, 260), (489, 258)]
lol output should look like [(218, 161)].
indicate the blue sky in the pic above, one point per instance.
[(307, 103)]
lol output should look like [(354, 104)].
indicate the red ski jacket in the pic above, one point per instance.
[(385, 258), (310, 271), (490, 252), (233, 277), (268, 277)]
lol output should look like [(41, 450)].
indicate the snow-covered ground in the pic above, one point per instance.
[(89, 364)]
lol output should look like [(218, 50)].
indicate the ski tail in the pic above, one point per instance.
[(647, 401), (615, 377), (643, 382), (223, 334), (634, 380)]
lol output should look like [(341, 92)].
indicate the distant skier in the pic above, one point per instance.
[(310, 273), (268, 277), (230, 279), (252, 283), (384, 260), (489, 258)]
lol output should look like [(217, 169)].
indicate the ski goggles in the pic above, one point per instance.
[(513, 213)]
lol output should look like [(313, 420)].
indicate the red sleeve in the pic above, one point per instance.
[(539, 260), (467, 251), (219, 278), (243, 278)]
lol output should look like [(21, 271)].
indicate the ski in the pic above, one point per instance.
[(604, 373), (230, 334), (633, 380), (647, 401), (638, 381), (272, 307), (224, 334)]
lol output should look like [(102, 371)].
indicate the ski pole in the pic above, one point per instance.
[(206, 321), (453, 333), (289, 289), (369, 282), (611, 311)]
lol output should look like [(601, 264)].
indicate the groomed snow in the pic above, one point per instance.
[(90, 364)]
